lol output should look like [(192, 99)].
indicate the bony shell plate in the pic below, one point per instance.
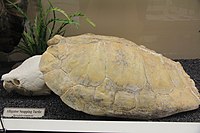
[(111, 76)]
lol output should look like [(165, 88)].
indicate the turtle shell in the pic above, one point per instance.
[(111, 76)]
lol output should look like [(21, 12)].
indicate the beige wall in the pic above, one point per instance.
[(170, 27)]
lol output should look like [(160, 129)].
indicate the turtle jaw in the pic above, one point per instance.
[(8, 86)]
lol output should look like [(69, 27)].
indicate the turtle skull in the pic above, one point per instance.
[(26, 79)]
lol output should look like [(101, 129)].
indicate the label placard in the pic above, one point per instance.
[(24, 112)]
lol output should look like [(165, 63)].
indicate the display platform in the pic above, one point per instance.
[(61, 118), (38, 125), (56, 109)]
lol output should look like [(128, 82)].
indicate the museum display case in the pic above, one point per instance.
[(103, 66)]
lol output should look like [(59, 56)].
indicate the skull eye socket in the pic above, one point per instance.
[(16, 81)]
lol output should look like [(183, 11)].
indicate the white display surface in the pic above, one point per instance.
[(99, 126), (1, 127)]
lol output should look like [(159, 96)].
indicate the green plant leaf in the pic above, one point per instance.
[(61, 11), (35, 35), (54, 17), (59, 20), (90, 22), (18, 9), (77, 14)]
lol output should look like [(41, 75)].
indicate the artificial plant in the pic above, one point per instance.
[(36, 34)]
